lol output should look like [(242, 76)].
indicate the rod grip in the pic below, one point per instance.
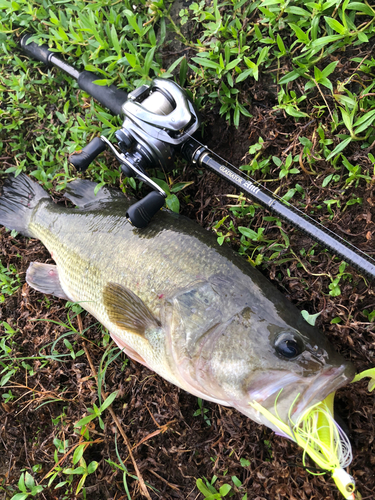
[(111, 97), (35, 51), (82, 159)]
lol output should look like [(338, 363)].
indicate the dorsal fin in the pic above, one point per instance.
[(82, 192)]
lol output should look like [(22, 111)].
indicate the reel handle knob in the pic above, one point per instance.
[(143, 210), (82, 159)]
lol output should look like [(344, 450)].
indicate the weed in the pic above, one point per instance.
[(28, 487), (9, 281), (209, 491), (202, 411)]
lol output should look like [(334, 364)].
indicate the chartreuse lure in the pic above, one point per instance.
[(321, 437)]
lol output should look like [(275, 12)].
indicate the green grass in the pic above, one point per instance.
[(295, 46), (9, 281)]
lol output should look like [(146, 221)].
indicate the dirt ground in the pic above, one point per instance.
[(172, 447)]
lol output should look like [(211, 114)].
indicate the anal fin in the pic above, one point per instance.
[(45, 279)]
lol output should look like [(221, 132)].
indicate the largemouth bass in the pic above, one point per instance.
[(174, 300)]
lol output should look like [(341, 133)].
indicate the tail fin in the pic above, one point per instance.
[(19, 198)]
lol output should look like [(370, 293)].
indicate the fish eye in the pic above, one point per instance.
[(288, 345)]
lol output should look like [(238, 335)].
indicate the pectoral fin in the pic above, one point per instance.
[(127, 311), (45, 279)]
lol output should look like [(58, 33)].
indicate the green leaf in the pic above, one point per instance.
[(301, 35), (36, 490), (180, 185), (297, 11), (335, 25), (81, 483), (227, 54), (290, 110), (174, 65), (78, 470), (242, 76), (78, 452), (340, 147), (326, 83), (29, 481), (173, 203), (281, 45), (108, 401), (236, 116), (364, 118), (327, 180), (361, 7), (132, 21), (20, 496), (85, 420), (263, 55), (289, 77), (330, 68), (348, 119), (233, 63), (183, 71), (6, 377), (249, 233), (162, 184), (115, 40), (148, 60), (236, 481), (336, 320), (132, 60), (92, 467), (310, 318), (324, 40), (21, 482), (362, 37), (225, 489), (203, 488), (207, 63)]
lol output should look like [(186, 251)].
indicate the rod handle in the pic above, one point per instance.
[(35, 51), (111, 97), (82, 159)]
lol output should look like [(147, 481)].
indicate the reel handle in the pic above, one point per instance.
[(82, 159), (141, 212)]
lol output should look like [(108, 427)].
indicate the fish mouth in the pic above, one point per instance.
[(288, 394), (327, 382)]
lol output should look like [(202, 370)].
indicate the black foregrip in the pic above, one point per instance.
[(38, 52), (111, 97), (82, 159)]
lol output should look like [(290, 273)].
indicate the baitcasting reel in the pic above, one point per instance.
[(159, 118)]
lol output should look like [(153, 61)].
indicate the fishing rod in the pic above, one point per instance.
[(159, 121)]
